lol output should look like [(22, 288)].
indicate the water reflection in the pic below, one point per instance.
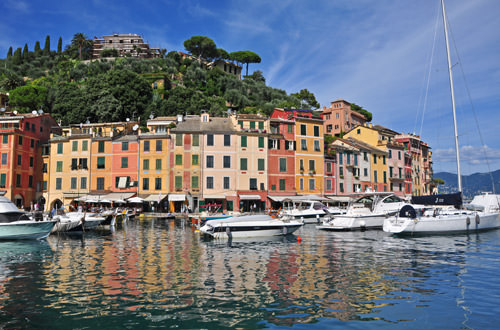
[(162, 273)]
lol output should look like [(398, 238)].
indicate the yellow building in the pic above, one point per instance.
[(309, 155)]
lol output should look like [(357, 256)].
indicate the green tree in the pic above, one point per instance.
[(306, 98), (245, 57), (9, 52), (25, 53), (10, 80), (59, 46), (223, 54), (83, 44), (38, 50), (17, 57), (357, 108), (28, 97), (201, 47), (257, 76), (46, 48), (68, 103)]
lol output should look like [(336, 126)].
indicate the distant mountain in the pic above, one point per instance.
[(472, 184)]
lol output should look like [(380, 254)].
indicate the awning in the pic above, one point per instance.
[(250, 197), (154, 198), (122, 182), (118, 197), (82, 198), (279, 198), (177, 197), (214, 197), (344, 199), (135, 200)]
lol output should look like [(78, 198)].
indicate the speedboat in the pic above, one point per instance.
[(259, 225), (367, 211), (481, 214), (85, 221), (308, 211), (15, 224), (67, 221)]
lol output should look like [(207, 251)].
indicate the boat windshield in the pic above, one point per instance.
[(392, 199)]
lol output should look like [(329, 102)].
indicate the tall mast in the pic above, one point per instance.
[(452, 98)]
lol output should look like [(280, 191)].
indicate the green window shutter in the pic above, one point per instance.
[(282, 164), (158, 164), (178, 140), (178, 159), (3, 179), (5, 139), (260, 164), (178, 182), (100, 147), (243, 164), (252, 124), (195, 160), (243, 140), (261, 125), (196, 140), (74, 146), (261, 142), (85, 145), (195, 182), (101, 162), (59, 148), (59, 166), (145, 164)]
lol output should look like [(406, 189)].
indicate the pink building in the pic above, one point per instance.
[(340, 118)]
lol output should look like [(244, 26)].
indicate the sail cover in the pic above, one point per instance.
[(442, 199)]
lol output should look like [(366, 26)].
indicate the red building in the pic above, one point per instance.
[(21, 161), (124, 166)]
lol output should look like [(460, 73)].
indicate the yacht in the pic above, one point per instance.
[(15, 224), (308, 211), (365, 211), (259, 225)]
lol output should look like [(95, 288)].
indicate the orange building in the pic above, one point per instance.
[(340, 118)]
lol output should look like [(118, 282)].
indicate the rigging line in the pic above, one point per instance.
[(473, 112)]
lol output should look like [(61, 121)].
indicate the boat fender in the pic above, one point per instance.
[(285, 230), (362, 224), (478, 220), (468, 221), (408, 211)]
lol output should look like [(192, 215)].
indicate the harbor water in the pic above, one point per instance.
[(162, 274)]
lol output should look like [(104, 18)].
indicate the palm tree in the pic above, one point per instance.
[(80, 40)]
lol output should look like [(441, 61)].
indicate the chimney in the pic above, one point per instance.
[(179, 118)]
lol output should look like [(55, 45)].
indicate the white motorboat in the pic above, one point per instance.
[(259, 225), (67, 221), (437, 220), (307, 211), (15, 224), (481, 214), (78, 221), (366, 211)]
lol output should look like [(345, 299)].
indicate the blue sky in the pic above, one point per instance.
[(376, 54)]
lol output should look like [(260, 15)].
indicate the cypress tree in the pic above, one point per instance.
[(46, 48), (9, 53), (25, 52), (38, 50), (16, 59), (59, 46)]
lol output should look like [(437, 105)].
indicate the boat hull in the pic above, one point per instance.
[(447, 224), (360, 222), (26, 229)]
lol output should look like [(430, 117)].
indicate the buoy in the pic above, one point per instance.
[(299, 239)]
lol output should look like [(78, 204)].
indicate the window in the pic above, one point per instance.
[(365, 156), (210, 139), (196, 140), (5, 139), (227, 140), (399, 155), (261, 142), (3, 180), (341, 158), (146, 145), (240, 122), (59, 166), (341, 172), (83, 183), (301, 184), (74, 146), (124, 162), (32, 143), (341, 187), (59, 148), (374, 159), (195, 184), (243, 164), (210, 182), (58, 183), (253, 184), (4, 158), (101, 162), (385, 177), (290, 145), (159, 145), (355, 160), (226, 182), (145, 184), (261, 125), (19, 160), (383, 159), (44, 168), (158, 164), (195, 160), (20, 140), (178, 159), (124, 146), (274, 144), (312, 184), (74, 164), (243, 140), (303, 144), (227, 162), (282, 164), (73, 183), (316, 130), (261, 164), (375, 176), (100, 146), (252, 124), (290, 128), (282, 184), (178, 182), (303, 129), (328, 167), (178, 140), (100, 183), (158, 183), (145, 164), (210, 161), (328, 184), (312, 165), (273, 187), (316, 145), (365, 172), (85, 145), (390, 154), (301, 164)]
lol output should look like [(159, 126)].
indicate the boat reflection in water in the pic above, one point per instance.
[(162, 274)]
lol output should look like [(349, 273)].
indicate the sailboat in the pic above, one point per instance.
[(482, 214)]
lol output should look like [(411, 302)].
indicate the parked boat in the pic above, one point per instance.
[(308, 211), (366, 211), (439, 220), (15, 224), (259, 225), (109, 219), (67, 221)]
